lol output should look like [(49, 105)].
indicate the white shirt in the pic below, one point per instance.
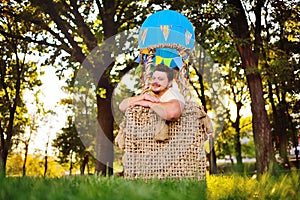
[(171, 94)]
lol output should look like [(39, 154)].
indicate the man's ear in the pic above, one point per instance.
[(170, 84)]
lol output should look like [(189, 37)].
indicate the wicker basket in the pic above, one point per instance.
[(182, 156)]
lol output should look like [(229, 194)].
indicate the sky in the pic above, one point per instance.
[(51, 93)]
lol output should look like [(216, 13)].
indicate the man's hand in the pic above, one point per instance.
[(143, 103), (149, 97), (142, 100)]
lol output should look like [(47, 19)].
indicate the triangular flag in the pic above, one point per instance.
[(145, 59), (178, 61), (143, 35), (173, 64), (138, 59), (138, 69), (165, 30), (144, 51), (158, 60), (188, 37), (167, 61), (187, 60)]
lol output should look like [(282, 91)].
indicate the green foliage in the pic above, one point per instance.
[(34, 166), (18, 75), (69, 143)]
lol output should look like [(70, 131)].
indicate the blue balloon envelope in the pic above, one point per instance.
[(167, 27)]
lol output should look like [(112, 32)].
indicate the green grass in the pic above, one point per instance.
[(235, 187), (101, 188), (285, 186)]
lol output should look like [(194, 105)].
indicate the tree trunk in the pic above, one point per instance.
[(237, 137), (295, 139), (212, 157), (260, 121), (105, 151), (85, 162), (284, 125), (280, 116), (25, 159), (107, 14), (3, 160), (71, 163), (5, 144), (45, 166)]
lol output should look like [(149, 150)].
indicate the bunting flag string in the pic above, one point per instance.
[(188, 37), (166, 30), (170, 62)]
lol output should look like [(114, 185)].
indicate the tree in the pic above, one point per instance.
[(78, 37), (31, 132), (280, 63), (250, 49), (69, 145), (249, 52), (16, 75), (78, 138), (35, 167)]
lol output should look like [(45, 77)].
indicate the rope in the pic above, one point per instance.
[(147, 76)]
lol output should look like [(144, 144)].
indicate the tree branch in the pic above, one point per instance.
[(28, 39), (76, 51), (85, 31)]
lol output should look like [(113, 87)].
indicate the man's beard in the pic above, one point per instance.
[(156, 92), (160, 91)]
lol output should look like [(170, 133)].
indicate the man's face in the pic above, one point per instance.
[(160, 82)]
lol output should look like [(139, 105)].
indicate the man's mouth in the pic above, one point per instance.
[(155, 85)]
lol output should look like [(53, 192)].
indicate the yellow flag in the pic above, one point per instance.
[(158, 60)]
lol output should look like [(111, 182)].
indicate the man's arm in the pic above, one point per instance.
[(131, 101), (170, 110)]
